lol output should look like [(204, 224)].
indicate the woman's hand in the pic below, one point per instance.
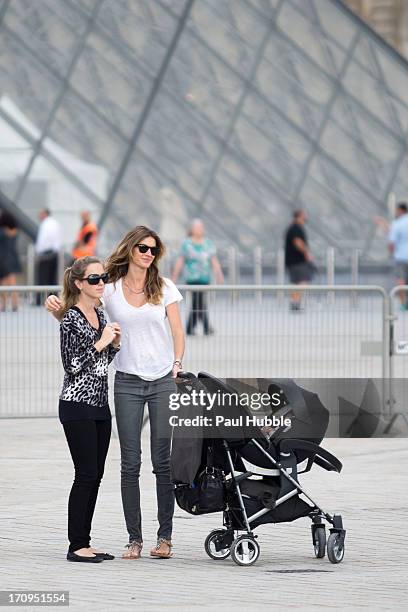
[(118, 334), (177, 367), (52, 303), (108, 335)]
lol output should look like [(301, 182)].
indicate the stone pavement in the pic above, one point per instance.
[(371, 493)]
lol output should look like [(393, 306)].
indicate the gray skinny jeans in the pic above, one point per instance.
[(131, 394)]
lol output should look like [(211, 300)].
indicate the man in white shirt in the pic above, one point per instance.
[(47, 247)]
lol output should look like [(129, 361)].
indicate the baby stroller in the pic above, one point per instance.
[(251, 472)]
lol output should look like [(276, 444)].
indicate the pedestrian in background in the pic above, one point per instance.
[(198, 259), (398, 247), (47, 248), (10, 264), (298, 258), (85, 245)]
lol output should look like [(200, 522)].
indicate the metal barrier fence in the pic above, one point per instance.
[(399, 332), (398, 391), (30, 370), (341, 332)]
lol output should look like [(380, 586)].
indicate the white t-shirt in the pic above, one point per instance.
[(146, 343)]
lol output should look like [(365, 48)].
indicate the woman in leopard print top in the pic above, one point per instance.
[(85, 389), (88, 345)]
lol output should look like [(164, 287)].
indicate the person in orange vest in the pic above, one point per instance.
[(85, 244)]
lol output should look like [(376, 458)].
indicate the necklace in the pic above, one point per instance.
[(133, 291)]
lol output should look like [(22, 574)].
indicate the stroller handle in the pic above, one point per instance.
[(316, 454), (186, 376)]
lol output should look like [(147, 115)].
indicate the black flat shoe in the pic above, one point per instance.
[(71, 556), (104, 556)]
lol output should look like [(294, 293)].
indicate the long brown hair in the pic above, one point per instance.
[(117, 264), (70, 292)]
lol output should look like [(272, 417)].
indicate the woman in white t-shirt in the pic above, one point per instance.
[(152, 345)]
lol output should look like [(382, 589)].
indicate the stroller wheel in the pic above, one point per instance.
[(335, 547), (245, 550), (217, 544), (319, 541)]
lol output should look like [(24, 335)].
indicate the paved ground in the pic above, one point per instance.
[(372, 494)]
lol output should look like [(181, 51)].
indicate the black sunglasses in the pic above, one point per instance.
[(93, 279), (143, 248)]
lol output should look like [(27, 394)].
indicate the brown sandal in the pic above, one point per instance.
[(162, 550), (134, 550)]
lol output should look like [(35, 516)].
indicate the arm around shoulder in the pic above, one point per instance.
[(53, 305)]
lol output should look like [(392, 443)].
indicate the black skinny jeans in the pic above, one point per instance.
[(88, 442)]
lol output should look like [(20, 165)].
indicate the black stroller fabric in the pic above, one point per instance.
[(186, 457), (187, 450), (291, 510), (206, 495), (264, 492)]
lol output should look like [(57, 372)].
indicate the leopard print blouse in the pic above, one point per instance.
[(85, 388)]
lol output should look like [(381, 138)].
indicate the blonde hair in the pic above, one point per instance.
[(70, 292), (117, 264)]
